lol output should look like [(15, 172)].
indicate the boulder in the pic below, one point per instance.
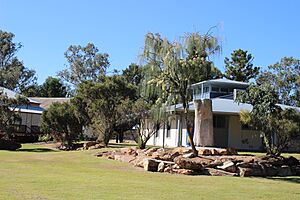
[(150, 164), (217, 172), (182, 150), (188, 155), (161, 167), (296, 170), (9, 145), (138, 161), (89, 144), (255, 171), (292, 161), (228, 166), (150, 151), (168, 169), (231, 151), (124, 158), (188, 163), (184, 171), (204, 152), (285, 170), (215, 152)]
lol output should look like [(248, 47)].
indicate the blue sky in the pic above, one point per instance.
[(269, 30)]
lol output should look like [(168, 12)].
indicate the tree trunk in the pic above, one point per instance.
[(195, 152)]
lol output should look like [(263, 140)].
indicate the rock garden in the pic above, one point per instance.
[(210, 161)]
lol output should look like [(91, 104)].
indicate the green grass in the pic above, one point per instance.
[(36, 172)]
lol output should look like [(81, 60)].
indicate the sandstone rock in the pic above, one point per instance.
[(217, 172), (168, 169), (182, 150), (150, 151), (184, 171), (270, 170), (150, 164), (231, 151), (87, 145), (285, 170), (204, 152), (275, 161), (161, 167), (292, 161), (228, 166), (175, 166), (255, 171), (124, 158), (223, 152), (174, 155), (188, 155), (138, 161), (215, 152), (188, 163)]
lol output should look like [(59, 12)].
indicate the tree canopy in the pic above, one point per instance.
[(84, 63), (285, 77), (13, 74), (240, 66)]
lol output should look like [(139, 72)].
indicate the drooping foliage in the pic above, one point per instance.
[(174, 66)]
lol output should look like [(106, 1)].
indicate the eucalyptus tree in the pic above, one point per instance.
[(285, 77), (85, 63), (179, 64), (13, 74), (240, 66)]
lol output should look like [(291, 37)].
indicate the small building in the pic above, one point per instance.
[(28, 128), (221, 116)]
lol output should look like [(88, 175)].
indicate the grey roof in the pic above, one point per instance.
[(12, 94), (222, 81), (227, 106)]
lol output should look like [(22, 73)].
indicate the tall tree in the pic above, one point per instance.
[(101, 101), (13, 74), (285, 77), (53, 87), (180, 64), (85, 63), (240, 67)]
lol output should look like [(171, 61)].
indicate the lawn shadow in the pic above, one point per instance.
[(288, 179), (37, 150)]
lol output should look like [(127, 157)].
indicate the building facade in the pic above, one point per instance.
[(215, 118)]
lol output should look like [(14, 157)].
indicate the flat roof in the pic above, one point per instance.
[(222, 81), (227, 106)]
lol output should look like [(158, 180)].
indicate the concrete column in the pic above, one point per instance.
[(203, 133)]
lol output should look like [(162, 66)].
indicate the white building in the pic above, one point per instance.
[(227, 128)]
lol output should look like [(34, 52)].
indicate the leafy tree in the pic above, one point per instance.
[(278, 127), (101, 101), (285, 77), (85, 63), (13, 74), (9, 113), (53, 87), (133, 74), (61, 122), (240, 67), (180, 64)]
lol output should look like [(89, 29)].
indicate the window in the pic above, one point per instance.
[(215, 89), (219, 121), (205, 89), (225, 90)]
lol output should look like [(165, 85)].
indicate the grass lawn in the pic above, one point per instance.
[(37, 172)]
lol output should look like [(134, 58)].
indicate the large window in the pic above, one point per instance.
[(220, 121)]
